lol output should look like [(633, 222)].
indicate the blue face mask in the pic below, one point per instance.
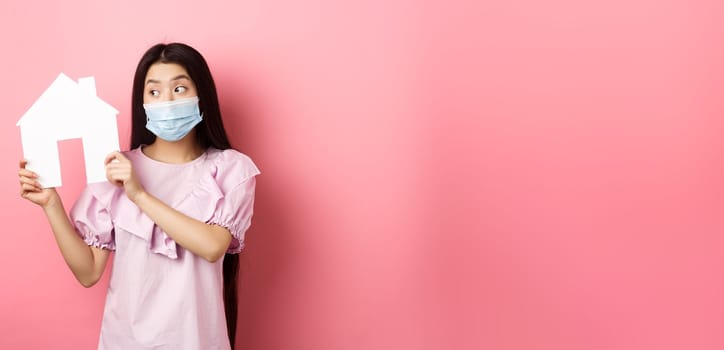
[(172, 120)]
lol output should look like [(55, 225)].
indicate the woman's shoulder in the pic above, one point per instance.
[(231, 165), (228, 155), (104, 192)]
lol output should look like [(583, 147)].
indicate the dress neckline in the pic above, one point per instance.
[(158, 162)]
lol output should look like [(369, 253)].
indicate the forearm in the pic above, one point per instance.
[(77, 254), (207, 241)]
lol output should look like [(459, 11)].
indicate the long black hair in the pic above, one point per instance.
[(209, 133)]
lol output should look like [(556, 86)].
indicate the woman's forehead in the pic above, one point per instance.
[(164, 72)]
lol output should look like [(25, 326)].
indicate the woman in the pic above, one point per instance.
[(174, 210)]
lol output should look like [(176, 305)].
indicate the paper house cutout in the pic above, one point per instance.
[(68, 110)]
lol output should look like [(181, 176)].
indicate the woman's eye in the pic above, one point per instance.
[(154, 92), (180, 89)]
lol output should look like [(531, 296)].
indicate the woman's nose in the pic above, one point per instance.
[(167, 95)]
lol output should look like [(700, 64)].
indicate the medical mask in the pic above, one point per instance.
[(172, 120)]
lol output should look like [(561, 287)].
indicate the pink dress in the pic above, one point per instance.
[(160, 295)]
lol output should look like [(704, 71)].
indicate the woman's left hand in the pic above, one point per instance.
[(119, 171)]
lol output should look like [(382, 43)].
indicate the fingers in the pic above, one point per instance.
[(117, 172), (115, 175), (28, 179), (121, 157), (115, 155), (116, 164), (29, 184), (25, 172), (30, 187), (110, 157)]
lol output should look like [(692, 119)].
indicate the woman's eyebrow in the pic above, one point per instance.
[(178, 77), (182, 76)]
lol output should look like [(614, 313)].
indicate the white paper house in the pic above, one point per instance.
[(68, 110)]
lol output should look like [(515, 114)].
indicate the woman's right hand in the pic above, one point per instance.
[(31, 190)]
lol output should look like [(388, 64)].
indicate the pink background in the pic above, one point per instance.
[(436, 175)]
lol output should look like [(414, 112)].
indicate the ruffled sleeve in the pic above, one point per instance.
[(91, 216), (224, 195), (234, 212)]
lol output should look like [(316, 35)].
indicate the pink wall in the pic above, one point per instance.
[(500, 175)]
